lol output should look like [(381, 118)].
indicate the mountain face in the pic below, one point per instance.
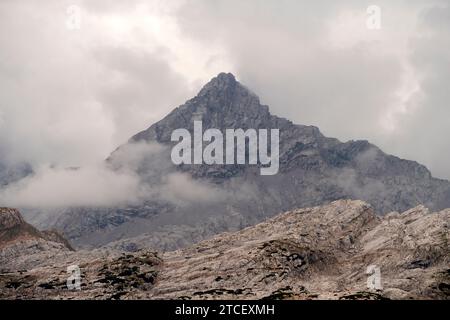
[(313, 253), (20, 239), (186, 203)]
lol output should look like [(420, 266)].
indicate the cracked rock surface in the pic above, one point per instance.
[(313, 253)]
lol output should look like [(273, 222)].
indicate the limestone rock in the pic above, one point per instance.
[(313, 253)]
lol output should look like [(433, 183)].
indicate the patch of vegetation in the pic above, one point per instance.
[(364, 295)]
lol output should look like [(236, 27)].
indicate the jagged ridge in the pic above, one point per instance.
[(311, 253)]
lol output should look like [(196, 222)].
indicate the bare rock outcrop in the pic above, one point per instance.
[(312, 253), (21, 244), (320, 252)]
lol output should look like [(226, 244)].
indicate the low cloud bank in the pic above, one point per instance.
[(135, 173), (60, 187)]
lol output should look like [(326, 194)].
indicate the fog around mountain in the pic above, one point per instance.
[(142, 197), (71, 96), (329, 123)]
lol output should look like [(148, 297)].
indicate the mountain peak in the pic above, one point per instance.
[(226, 76), (225, 91), (222, 103), (222, 81)]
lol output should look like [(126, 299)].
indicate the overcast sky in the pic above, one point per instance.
[(71, 93)]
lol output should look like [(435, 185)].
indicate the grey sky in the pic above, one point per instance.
[(72, 96)]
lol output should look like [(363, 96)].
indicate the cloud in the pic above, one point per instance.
[(317, 63), (181, 189), (70, 97), (91, 186), (138, 172), (139, 88), (424, 131)]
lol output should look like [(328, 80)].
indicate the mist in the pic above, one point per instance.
[(70, 96)]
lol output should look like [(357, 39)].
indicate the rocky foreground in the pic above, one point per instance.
[(314, 253)]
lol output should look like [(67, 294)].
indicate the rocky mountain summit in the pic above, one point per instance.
[(318, 168), (312, 253), (186, 203)]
